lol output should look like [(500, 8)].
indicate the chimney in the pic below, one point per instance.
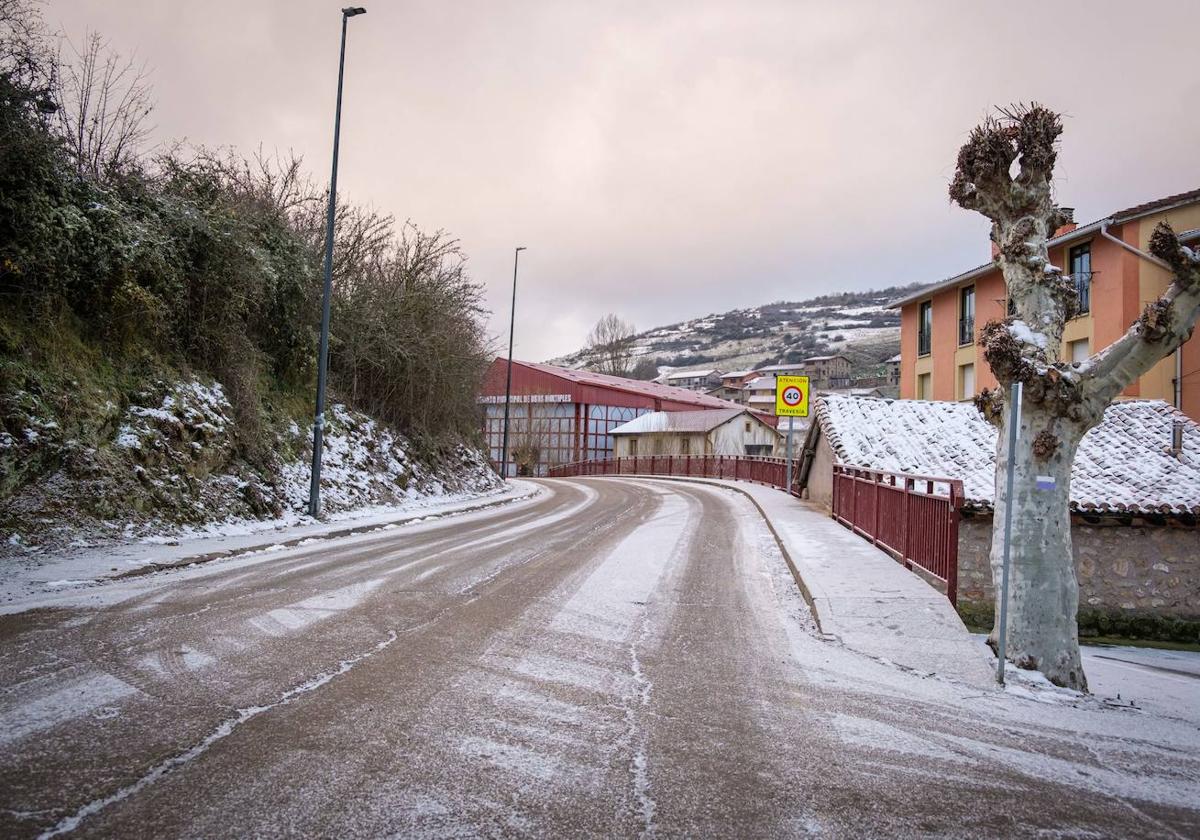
[(1069, 212)]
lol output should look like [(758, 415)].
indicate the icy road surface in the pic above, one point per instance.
[(609, 658)]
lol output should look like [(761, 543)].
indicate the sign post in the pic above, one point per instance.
[(1014, 422), (791, 401)]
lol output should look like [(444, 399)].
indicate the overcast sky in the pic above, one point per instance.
[(664, 160)]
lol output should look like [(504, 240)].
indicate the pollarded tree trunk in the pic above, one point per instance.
[(1044, 594), (1060, 401)]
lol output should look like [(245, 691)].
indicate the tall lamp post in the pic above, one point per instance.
[(314, 490), (512, 321)]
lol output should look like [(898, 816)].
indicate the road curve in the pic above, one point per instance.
[(611, 658)]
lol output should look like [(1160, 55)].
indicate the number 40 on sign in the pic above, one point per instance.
[(791, 396)]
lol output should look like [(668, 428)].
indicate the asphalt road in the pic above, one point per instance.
[(613, 658)]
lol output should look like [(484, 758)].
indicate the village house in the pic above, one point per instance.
[(1134, 500), (759, 394), (824, 372), (940, 356), (720, 432), (694, 380), (828, 372), (738, 378)]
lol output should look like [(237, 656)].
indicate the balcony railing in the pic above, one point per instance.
[(1083, 288), (924, 345), (966, 331)]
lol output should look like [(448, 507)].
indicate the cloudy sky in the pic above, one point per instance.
[(664, 160)]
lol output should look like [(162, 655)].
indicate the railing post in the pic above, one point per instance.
[(875, 507), (853, 499)]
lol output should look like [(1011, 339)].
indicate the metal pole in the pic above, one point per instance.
[(1014, 421), (787, 449), (512, 322), (314, 490)]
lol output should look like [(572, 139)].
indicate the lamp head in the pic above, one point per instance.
[(521, 248), (351, 11)]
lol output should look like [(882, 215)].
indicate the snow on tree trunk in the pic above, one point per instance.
[(1060, 400), (1044, 594)]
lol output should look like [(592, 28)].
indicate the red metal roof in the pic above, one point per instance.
[(595, 388)]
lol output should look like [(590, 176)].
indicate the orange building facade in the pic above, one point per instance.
[(940, 356)]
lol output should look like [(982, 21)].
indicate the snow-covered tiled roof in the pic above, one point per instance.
[(689, 374), (1123, 464), (678, 421)]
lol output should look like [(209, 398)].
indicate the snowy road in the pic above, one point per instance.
[(611, 658)]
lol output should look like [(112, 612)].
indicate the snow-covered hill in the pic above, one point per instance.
[(855, 324)]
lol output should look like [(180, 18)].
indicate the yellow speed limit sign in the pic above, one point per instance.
[(791, 396)]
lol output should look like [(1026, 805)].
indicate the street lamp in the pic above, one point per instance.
[(508, 382), (314, 491)]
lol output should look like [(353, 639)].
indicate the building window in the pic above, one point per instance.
[(1080, 350), (966, 381), (924, 386), (633, 446), (924, 328), (1081, 273), (966, 315), (685, 446)]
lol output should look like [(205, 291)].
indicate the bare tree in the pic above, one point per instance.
[(102, 102), (529, 434), (25, 64), (1060, 401), (645, 369), (610, 346)]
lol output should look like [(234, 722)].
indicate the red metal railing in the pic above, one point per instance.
[(772, 471), (913, 517)]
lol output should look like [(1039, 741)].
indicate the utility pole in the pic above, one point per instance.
[(788, 452), (512, 321), (1014, 420), (314, 490)]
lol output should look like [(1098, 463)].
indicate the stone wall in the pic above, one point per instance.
[(1127, 567)]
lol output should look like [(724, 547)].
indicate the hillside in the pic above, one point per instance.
[(158, 329), (856, 324)]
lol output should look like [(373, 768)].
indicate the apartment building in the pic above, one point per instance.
[(940, 356)]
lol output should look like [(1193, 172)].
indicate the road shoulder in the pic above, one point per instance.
[(31, 582)]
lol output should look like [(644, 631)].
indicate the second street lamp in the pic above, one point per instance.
[(314, 490), (512, 322)]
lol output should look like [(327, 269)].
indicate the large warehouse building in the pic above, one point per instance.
[(558, 415)]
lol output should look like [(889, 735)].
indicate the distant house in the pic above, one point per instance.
[(824, 372), (760, 394), (1135, 501), (738, 378), (694, 380), (828, 371), (789, 369), (717, 432)]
